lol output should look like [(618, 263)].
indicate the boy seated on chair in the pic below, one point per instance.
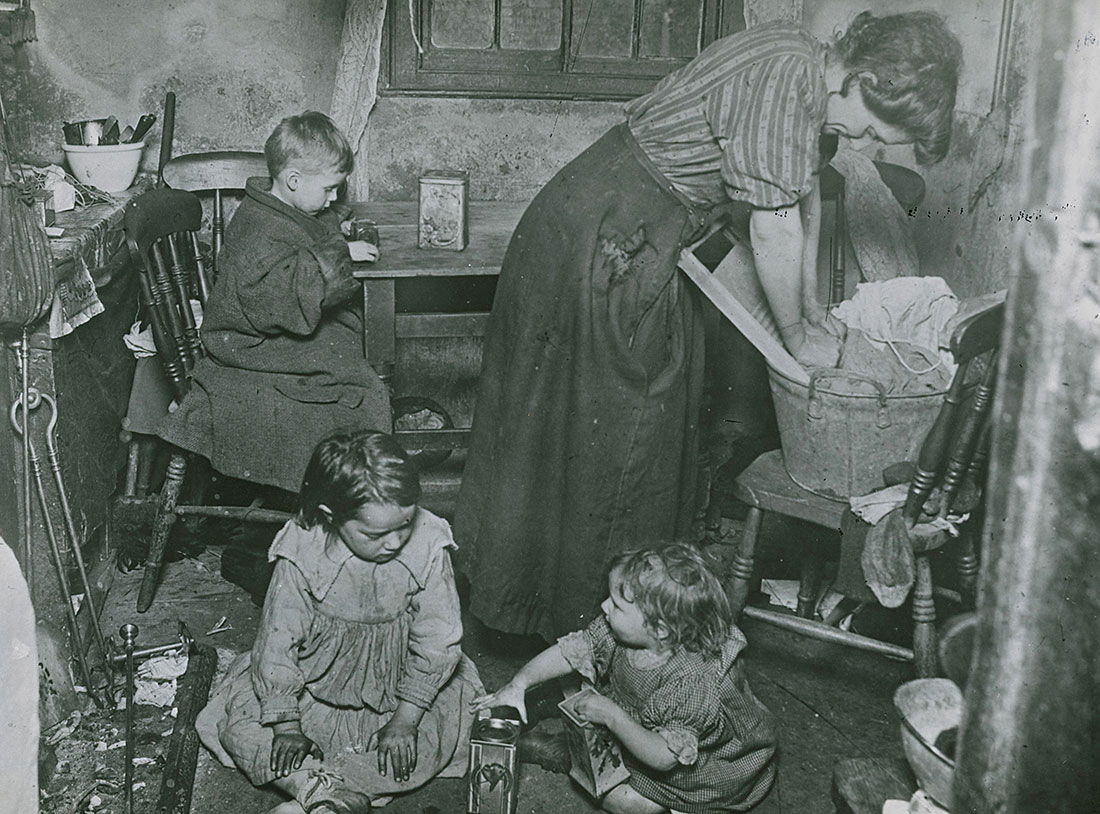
[(282, 329)]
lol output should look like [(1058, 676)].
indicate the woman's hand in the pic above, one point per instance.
[(814, 313), (289, 747), (511, 694), (396, 742), (598, 709), (812, 346), (821, 317)]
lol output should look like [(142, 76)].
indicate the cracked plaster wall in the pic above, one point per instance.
[(236, 68)]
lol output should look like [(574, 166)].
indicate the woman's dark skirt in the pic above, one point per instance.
[(585, 433)]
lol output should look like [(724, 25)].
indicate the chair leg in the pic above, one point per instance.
[(967, 565), (809, 580), (744, 557), (132, 458), (147, 462), (162, 527), (924, 620)]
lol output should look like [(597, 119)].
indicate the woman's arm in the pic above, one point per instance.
[(810, 209), (778, 247)]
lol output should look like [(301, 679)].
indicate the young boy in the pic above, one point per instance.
[(283, 326)]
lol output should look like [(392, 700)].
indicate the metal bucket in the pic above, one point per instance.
[(837, 443)]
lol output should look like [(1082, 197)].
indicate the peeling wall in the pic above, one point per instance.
[(510, 147), (236, 68)]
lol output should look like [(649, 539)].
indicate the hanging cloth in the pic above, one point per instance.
[(879, 229), (356, 87), (26, 270)]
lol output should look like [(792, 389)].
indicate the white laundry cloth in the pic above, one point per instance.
[(139, 339), (910, 312)]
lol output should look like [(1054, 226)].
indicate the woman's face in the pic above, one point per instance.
[(848, 116), (378, 531)]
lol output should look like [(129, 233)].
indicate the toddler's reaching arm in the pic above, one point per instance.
[(548, 664)]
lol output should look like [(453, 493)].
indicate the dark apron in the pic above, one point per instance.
[(585, 433)]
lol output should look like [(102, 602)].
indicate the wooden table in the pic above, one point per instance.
[(490, 228)]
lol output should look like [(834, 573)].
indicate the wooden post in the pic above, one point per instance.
[(1029, 739)]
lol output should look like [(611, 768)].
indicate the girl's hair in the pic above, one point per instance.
[(350, 469), (673, 585), (311, 138), (915, 61)]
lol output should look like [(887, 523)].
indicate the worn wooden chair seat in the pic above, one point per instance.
[(950, 468), (765, 483)]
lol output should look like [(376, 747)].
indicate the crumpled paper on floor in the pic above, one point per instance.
[(155, 681)]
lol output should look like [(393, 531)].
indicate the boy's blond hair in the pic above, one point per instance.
[(311, 138)]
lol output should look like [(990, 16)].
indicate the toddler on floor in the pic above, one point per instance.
[(664, 655)]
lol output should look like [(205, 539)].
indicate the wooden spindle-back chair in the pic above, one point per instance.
[(219, 172), (161, 231), (162, 234), (948, 480)]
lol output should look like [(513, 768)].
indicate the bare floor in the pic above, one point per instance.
[(831, 703)]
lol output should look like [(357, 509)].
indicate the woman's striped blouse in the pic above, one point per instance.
[(741, 121)]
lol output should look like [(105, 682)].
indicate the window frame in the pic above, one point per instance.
[(527, 74)]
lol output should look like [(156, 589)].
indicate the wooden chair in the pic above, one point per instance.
[(951, 456), (905, 184), (162, 234), (218, 172)]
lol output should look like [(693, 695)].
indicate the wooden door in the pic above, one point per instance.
[(1030, 739)]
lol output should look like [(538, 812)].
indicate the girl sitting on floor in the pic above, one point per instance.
[(356, 687), (664, 656)]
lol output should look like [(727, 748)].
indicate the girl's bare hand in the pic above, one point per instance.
[(510, 695), (289, 749), (396, 742)]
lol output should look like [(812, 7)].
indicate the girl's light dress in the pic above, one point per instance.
[(722, 736), (341, 642)]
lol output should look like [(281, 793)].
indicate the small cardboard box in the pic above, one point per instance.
[(597, 759)]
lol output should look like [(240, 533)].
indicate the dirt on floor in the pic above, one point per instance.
[(830, 703)]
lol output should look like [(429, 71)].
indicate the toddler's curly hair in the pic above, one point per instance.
[(673, 585)]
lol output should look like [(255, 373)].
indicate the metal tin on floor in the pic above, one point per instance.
[(494, 767)]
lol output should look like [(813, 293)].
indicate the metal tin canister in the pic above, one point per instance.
[(443, 218), (494, 766)]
